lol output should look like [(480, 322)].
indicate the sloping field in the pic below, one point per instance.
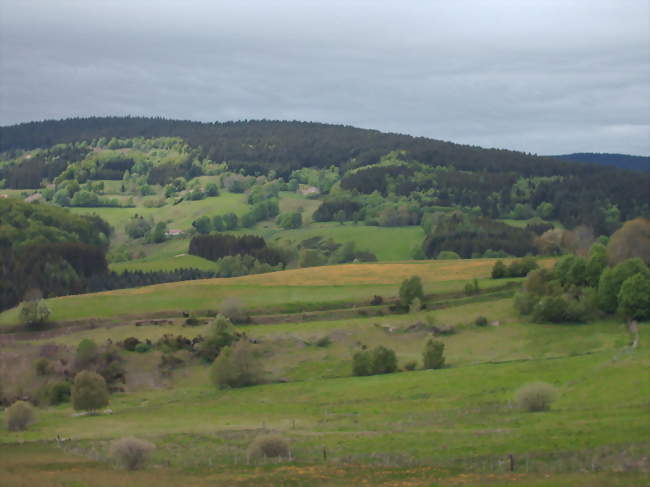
[(375, 273), (344, 283)]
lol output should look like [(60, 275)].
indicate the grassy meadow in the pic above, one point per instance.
[(453, 426)]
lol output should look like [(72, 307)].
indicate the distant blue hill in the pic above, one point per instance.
[(623, 161)]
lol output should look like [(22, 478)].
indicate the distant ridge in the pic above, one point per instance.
[(622, 161)]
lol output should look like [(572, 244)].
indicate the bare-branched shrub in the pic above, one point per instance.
[(536, 396), (269, 446), (233, 309), (19, 416), (131, 453)]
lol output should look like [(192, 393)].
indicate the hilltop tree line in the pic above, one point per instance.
[(577, 193)]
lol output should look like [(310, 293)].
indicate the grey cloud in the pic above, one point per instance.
[(538, 76)]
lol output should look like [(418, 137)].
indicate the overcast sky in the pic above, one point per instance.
[(539, 76)]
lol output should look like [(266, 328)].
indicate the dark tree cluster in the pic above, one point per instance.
[(375, 178), (114, 169), (47, 248), (128, 279), (469, 237), (165, 173), (45, 164), (330, 208), (55, 269), (217, 246), (517, 268)]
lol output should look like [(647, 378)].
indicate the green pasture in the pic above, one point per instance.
[(460, 416), (387, 243), (177, 261), (178, 216)]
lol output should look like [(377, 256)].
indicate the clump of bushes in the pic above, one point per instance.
[(192, 320), (536, 396), (410, 365), (269, 446), (481, 321), (222, 334), (143, 347), (130, 343), (19, 416), (56, 393), (43, 367), (131, 453), (380, 360), (325, 341), (433, 355), (171, 343), (578, 289), (517, 268)]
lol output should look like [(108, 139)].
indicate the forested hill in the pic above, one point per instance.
[(622, 161), (492, 180), (258, 146)]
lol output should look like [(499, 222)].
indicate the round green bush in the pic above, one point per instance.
[(89, 391)]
